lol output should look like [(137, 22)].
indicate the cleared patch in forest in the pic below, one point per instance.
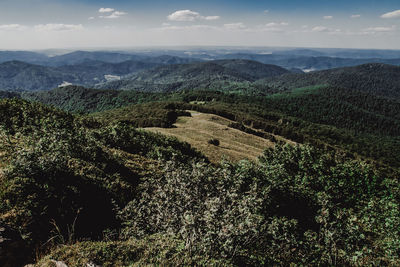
[(234, 144)]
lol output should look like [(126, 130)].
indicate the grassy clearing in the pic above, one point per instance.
[(234, 145)]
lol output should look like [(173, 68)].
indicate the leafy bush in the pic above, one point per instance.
[(296, 206), (65, 175)]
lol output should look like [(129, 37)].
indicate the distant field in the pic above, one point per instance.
[(234, 145)]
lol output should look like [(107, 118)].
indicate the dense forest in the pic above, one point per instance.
[(127, 190), (84, 180)]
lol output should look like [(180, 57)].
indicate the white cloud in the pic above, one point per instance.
[(188, 15), (106, 10), (188, 27), (234, 26), (114, 15), (320, 29), (211, 17), (58, 27), (274, 24), (380, 29), (11, 27), (356, 16), (183, 15), (328, 17), (90, 18), (266, 11), (274, 27), (326, 30), (391, 15)]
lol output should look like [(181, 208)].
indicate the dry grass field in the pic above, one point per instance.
[(234, 145)]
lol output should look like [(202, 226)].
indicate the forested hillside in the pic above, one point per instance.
[(327, 210), (84, 181), (76, 68), (311, 60), (361, 124), (211, 75), (375, 79)]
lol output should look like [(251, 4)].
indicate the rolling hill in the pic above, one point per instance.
[(26, 56), (304, 59), (17, 75), (374, 78), (196, 76), (78, 57), (309, 62)]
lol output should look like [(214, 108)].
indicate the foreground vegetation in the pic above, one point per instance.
[(82, 189)]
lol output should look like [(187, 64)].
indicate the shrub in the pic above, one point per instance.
[(297, 205), (214, 142)]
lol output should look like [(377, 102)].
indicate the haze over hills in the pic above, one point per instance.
[(78, 57), (26, 56), (305, 59), (18, 75), (311, 63)]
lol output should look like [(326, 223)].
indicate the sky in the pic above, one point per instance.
[(45, 24)]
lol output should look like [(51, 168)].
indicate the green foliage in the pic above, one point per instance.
[(296, 206), (154, 114), (375, 78), (156, 146), (66, 175), (217, 74), (6, 94), (364, 126), (153, 250), (18, 75), (84, 100)]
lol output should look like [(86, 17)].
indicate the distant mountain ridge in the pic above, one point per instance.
[(196, 75), (378, 79), (301, 58), (19, 75), (78, 57), (310, 63), (26, 56)]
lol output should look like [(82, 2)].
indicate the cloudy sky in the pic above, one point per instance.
[(41, 24)]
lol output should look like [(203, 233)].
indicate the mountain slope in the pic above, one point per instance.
[(196, 75), (377, 79), (308, 63), (79, 57), (25, 56), (16, 75)]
